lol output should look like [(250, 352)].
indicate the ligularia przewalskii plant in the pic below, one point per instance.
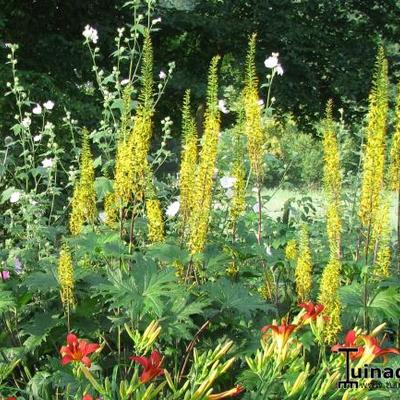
[(133, 269)]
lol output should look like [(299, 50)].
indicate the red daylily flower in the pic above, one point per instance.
[(87, 397), (11, 398), (229, 393), (77, 350), (373, 348), (151, 365), (312, 310), (350, 341)]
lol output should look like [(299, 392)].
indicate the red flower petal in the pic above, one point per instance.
[(66, 359), (143, 361), (71, 339)]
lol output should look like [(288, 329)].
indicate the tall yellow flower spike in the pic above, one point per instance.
[(187, 174), (303, 272), (140, 139), (123, 175), (65, 274), (131, 164), (253, 125), (374, 151), (381, 236), (330, 279), (155, 221), (204, 177), (84, 197), (394, 171), (110, 209), (291, 250), (239, 174), (329, 297)]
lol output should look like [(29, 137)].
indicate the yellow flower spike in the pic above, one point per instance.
[(202, 195), (374, 151), (187, 174), (65, 274), (253, 126), (381, 236), (83, 205), (155, 221), (123, 176), (303, 272), (110, 209), (131, 165), (329, 298), (238, 172), (291, 250), (394, 171)]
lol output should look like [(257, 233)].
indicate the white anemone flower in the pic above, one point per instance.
[(227, 182), (279, 69), (125, 82), (222, 106), (37, 138), (15, 196), (156, 21), (49, 105), (90, 34), (272, 61), (173, 209), (37, 109), (47, 163), (162, 75)]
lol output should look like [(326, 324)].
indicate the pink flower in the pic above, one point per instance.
[(5, 275)]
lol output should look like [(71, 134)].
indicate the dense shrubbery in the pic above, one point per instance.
[(119, 282)]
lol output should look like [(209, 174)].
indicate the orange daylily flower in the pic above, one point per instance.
[(373, 350)]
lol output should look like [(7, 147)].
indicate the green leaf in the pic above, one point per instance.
[(233, 296)]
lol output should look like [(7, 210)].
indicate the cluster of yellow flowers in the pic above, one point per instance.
[(133, 175), (202, 195), (238, 172), (65, 274), (394, 172), (329, 297), (381, 237), (253, 122), (84, 197), (303, 272), (187, 174), (330, 280), (155, 220), (374, 154), (291, 250)]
